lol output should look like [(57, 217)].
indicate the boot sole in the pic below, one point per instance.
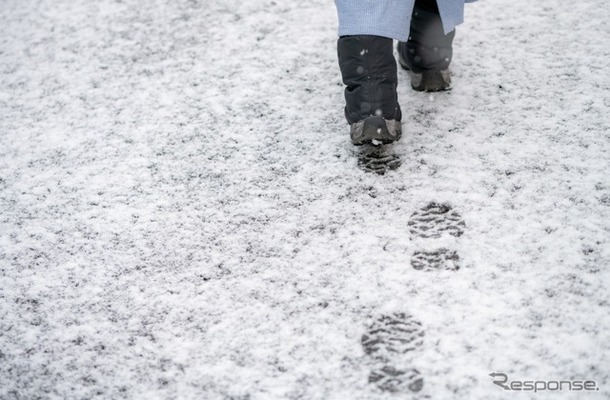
[(374, 130), (428, 81)]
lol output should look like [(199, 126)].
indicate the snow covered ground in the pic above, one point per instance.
[(182, 215)]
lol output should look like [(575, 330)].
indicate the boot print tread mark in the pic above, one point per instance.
[(398, 333), (390, 379), (378, 159), (434, 220), (435, 260), (388, 340)]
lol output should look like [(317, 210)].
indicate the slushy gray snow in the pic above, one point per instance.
[(183, 216)]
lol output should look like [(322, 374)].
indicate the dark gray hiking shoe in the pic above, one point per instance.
[(375, 130), (432, 80)]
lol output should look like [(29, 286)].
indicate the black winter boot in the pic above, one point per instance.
[(369, 71), (427, 54)]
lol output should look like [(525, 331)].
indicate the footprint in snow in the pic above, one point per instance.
[(377, 159), (392, 341), (432, 222), (435, 260)]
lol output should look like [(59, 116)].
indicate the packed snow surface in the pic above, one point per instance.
[(183, 216)]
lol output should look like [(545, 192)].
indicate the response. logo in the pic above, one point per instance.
[(501, 379)]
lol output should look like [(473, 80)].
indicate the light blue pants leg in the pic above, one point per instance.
[(391, 18), (452, 13), (387, 18)]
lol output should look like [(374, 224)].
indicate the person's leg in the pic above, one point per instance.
[(368, 66), (369, 72), (428, 51)]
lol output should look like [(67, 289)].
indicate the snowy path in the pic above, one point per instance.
[(182, 215)]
